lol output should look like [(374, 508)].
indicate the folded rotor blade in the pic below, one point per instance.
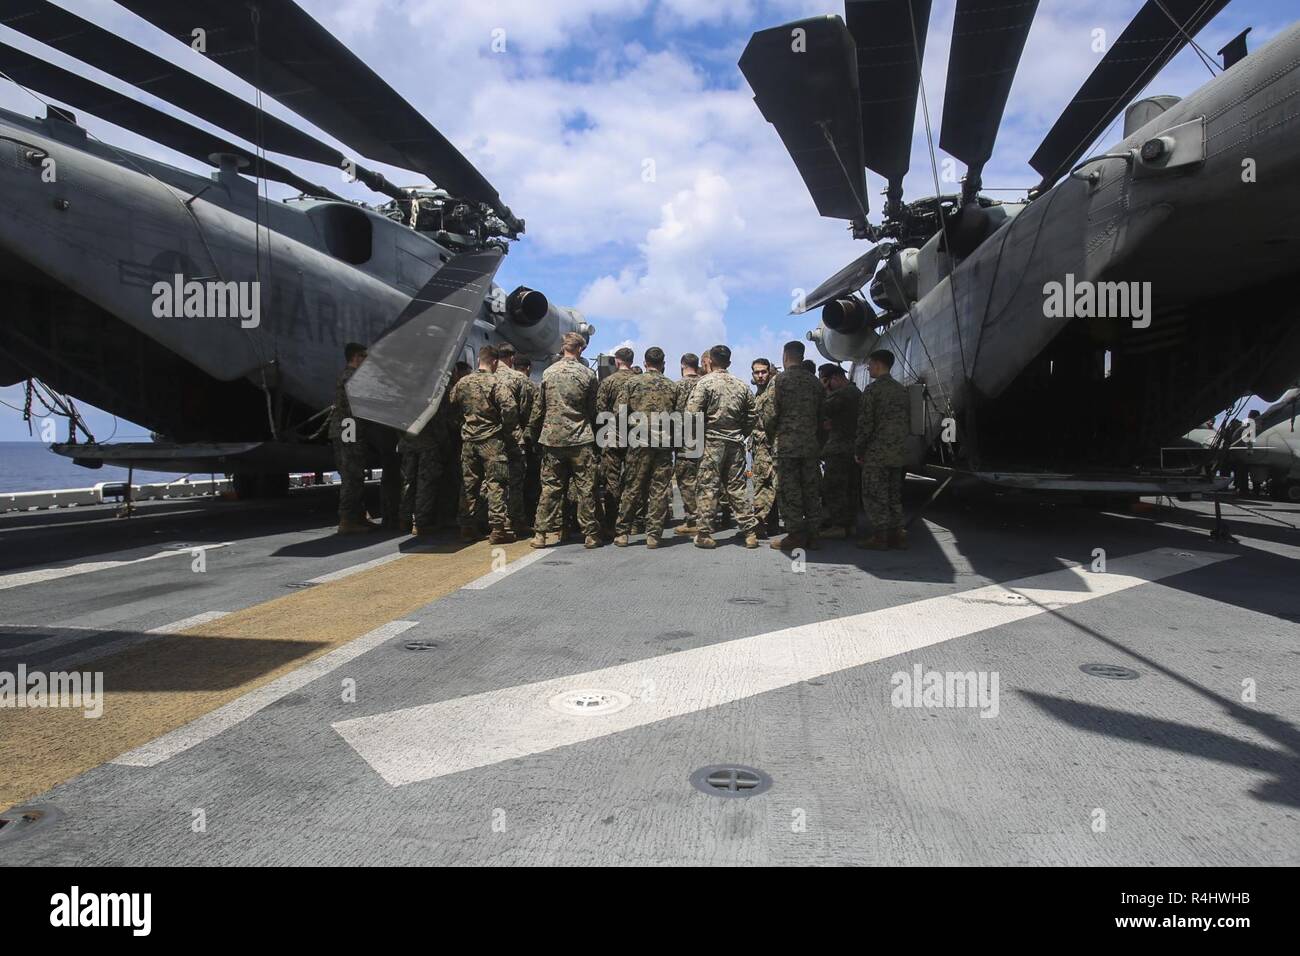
[(121, 110), (1153, 37), (848, 280), (408, 369), (805, 83)]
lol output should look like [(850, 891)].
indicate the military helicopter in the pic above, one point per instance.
[(1052, 344), (196, 306)]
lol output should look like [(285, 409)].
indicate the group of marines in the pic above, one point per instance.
[(816, 443)]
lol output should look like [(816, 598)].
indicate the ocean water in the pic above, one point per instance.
[(30, 466)]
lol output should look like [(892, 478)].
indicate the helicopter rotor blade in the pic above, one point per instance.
[(890, 38), (277, 47), (1149, 42), (403, 380), (805, 83), (121, 110), (848, 280), (988, 39)]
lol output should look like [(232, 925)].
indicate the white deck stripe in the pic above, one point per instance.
[(39, 575), (355, 569), (240, 709), (492, 577), (419, 743), (96, 651)]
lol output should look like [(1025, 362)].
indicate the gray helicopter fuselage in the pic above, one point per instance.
[(109, 226), (1212, 229)]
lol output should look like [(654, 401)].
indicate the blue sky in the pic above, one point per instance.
[(587, 92)]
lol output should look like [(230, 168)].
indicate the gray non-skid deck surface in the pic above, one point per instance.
[(1184, 770)]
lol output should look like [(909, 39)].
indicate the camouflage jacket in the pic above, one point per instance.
[(487, 405), (685, 386), (762, 404), (566, 407), (795, 414), (342, 407), (840, 415), (610, 392), (528, 422), (516, 383), (727, 405), (654, 396), (884, 420)]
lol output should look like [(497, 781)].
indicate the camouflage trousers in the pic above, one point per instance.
[(763, 475), (486, 476), (573, 466), (840, 491), (516, 518), (686, 471), (532, 479), (798, 482), (611, 482), (350, 460), (882, 498), (648, 487), (421, 479), (721, 481)]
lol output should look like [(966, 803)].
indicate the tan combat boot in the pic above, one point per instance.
[(791, 541), (898, 539), (593, 541), (620, 541), (651, 541), (751, 540), (834, 533), (705, 541), (686, 527), (353, 526), (541, 540), (875, 542), (501, 536)]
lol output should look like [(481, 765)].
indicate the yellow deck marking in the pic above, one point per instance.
[(164, 684)]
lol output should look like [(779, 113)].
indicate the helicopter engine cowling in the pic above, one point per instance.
[(839, 347), (536, 327)]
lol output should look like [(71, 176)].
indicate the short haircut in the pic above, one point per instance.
[(573, 342), (625, 354), (793, 347), (654, 357), (690, 360), (523, 362), (720, 355), (760, 361), (352, 350), (505, 350), (883, 356), (810, 365), (488, 353), (830, 368)]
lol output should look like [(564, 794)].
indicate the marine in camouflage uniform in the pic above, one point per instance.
[(686, 468), (794, 417), (517, 385), (727, 405), (840, 471), (423, 458), (763, 468), (884, 419), (648, 468), (490, 415), (349, 450), (612, 453), (565, 413)]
